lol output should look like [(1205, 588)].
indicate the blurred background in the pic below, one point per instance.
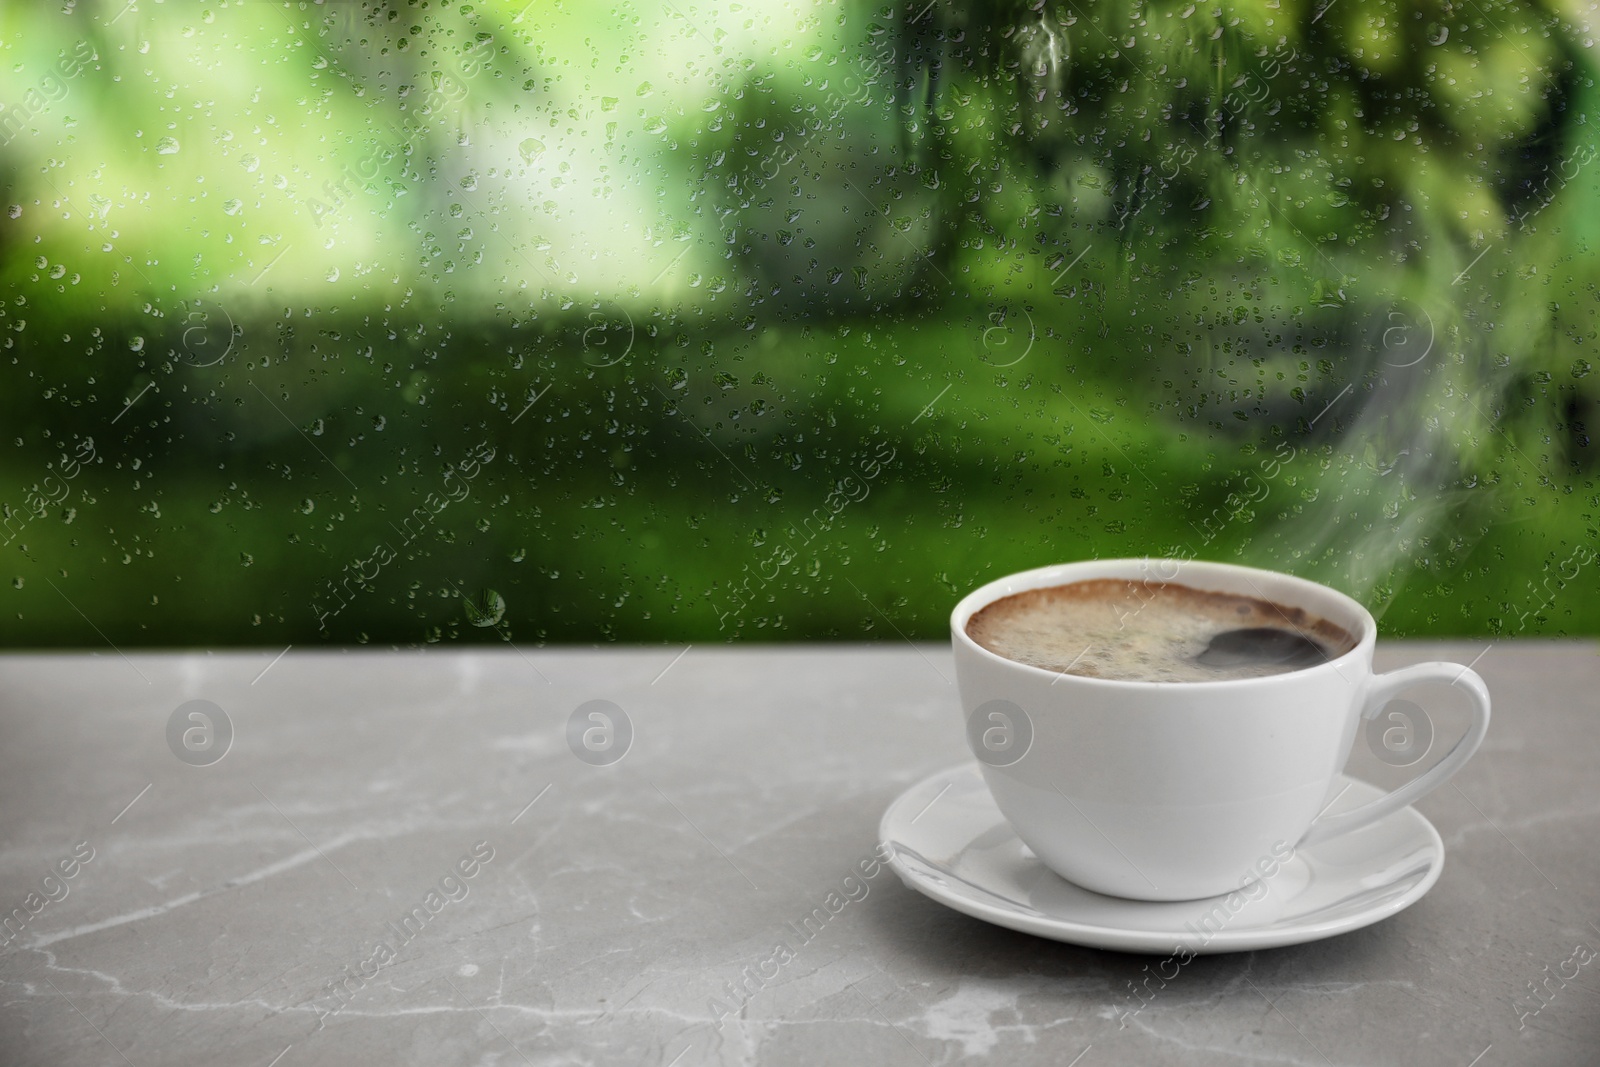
[(674, 320)]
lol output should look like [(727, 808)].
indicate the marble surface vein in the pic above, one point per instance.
[(306, 899)]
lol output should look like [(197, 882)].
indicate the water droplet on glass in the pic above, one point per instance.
[(167, 146), (486, 609), (530, 149)]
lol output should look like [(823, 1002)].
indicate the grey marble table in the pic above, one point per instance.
[(400, 858)]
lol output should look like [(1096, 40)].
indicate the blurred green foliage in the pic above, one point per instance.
[(412, 322)]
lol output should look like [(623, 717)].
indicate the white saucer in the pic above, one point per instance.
[(951, 843)]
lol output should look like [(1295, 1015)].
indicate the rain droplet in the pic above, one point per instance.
[(531, 148), (486, 609), (307, 506), (333, 274), (167, 146), (231, 207)]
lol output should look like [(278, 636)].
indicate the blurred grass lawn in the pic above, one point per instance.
[(623, 503)]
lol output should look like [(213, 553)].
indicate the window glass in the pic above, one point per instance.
[(695, 321)]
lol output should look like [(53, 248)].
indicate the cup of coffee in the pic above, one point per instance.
[(1157, 729)]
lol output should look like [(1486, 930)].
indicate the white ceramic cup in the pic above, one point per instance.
[(1179, 790)]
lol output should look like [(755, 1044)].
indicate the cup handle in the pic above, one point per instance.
[(1384, 688)]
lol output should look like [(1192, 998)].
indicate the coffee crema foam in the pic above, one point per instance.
[(1142, 631)]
